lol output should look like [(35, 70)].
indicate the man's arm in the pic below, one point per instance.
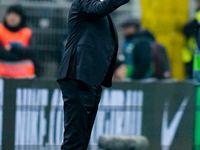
[(20, 53), (8, 55), (29, 52), (97, 8)]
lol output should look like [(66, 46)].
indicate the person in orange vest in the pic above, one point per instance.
[(17, 53)]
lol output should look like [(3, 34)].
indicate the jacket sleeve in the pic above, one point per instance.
[(29, 52), (8, 55), (98, 8), (164, 59)]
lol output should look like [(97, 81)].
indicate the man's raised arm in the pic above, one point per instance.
[(98, 8)]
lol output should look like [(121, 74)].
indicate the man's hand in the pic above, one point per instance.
[(8, 48)]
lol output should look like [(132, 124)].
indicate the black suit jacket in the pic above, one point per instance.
[(92, 44)]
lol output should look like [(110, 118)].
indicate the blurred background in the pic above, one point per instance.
[(165, 19), (156, 42)]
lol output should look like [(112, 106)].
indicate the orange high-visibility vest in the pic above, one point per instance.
[(17, 69)]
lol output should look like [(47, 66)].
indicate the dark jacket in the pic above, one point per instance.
[(91, 50), (137, 52), (142, 60), (160, 60)]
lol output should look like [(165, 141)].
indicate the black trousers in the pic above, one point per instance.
[(80, 107)]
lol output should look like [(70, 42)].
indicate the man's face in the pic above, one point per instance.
[(129, 30), (13, 19)]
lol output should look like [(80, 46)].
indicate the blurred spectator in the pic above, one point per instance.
[(17, 54), (190, 30), (120, 70), (137, 49), (144, 57)]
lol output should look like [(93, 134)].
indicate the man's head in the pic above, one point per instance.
[(130, 26), (14, 18)]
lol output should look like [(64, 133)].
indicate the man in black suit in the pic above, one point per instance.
[(87, 64)]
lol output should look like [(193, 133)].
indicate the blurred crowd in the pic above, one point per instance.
[(140, 57), (190, 31), (18, 57)]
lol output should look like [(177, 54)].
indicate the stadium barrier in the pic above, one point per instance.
[(163, 111)]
